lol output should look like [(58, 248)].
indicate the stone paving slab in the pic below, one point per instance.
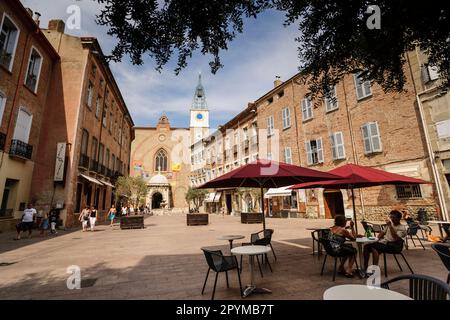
[(164, 261)]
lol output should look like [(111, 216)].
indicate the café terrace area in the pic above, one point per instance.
[(165, 261)]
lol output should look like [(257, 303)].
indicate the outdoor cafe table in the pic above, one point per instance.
[(361, 292), (230, 238), (361, 242), (252, 251), (439, 223)]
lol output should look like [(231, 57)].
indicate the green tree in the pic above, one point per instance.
[(255, 194), (133, 188), (335, 37), (196, 196)]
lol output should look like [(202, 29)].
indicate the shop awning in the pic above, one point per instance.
[(106, 183), (91, 179), (210, 197), (217, 196), (278, 192)]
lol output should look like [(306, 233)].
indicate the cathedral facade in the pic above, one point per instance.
[(162, 155)]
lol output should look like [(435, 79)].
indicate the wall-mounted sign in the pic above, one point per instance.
[(60, 159), (176, 167)]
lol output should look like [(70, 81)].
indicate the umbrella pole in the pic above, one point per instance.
[(262, 208), (354, 211)]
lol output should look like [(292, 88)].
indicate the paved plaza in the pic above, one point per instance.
[(164, 261)]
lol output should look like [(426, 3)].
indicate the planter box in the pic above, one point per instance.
[(251, 217), (197, 219), (132, 222)]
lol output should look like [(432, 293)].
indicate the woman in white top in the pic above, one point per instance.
[(389, 241)]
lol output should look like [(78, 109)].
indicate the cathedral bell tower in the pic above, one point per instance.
[(199, 125)]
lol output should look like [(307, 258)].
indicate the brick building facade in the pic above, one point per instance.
[(27, 67), (92, 120)]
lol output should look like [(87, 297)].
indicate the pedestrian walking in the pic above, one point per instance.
[(27, 222), (53, 218), (44, 225), (84, 217), (112, 214), (93, 217)]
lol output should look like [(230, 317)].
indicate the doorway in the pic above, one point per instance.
[(228, 202), (156, 200), (9, 198), (334, 203)]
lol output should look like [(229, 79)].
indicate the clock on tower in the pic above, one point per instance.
[(199, 113)]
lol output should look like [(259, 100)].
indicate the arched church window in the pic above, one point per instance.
[(161, 160)]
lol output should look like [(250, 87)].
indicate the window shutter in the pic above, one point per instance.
[(319, 150), (366, 138), (333, 146), (367, 88), (310, 111), (2, 106), (358, 86), (23, 126), (308, 153), (375, 137), (340, 150), (304, 114)]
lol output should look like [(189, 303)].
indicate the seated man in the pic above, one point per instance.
[(390, 240)]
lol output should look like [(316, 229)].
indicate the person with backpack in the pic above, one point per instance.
[(53, 218)]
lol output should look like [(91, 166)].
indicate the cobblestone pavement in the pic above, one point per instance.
[(164, 261)]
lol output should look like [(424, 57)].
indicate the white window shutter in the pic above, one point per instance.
[(333, 146), (310, 111), (319, 150), (358, 86), (375, 137), (23, 126), (340, 151), (308, 152), (304, 114), (2, 106), (367, 88), (288, 117), (366, 138)]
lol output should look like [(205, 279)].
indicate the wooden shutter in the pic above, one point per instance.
[(23, 126), (366, 138), (319, 150), (375, 137), (358, 86), (308, 152), (340, 149)]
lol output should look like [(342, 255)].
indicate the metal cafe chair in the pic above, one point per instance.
[(422, 287)]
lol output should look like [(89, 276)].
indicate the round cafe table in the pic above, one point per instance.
[(252, 251), (230, 238), (361, 242), (361, 292)]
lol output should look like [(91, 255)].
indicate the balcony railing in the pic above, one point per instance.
[(102, 169), (2, 141), (84, 161), (109, 173), (20, 149), (94, 165)]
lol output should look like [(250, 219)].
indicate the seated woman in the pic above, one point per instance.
[(337, 236), (389, 241)]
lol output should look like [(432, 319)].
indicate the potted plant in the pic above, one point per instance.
[(196, 197)]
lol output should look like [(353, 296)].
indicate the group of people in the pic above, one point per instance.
[(30, 220), (88, 216), (390, 240)]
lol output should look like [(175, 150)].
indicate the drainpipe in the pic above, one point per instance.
[(355, 157)]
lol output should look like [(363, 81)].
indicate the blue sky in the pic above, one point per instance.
[(265, 49)]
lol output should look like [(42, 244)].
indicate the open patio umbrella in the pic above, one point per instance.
[(355, 176), (267, 174)]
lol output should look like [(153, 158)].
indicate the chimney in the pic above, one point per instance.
[(36, 19), (56, 25), (30, 12), (277, 81)]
